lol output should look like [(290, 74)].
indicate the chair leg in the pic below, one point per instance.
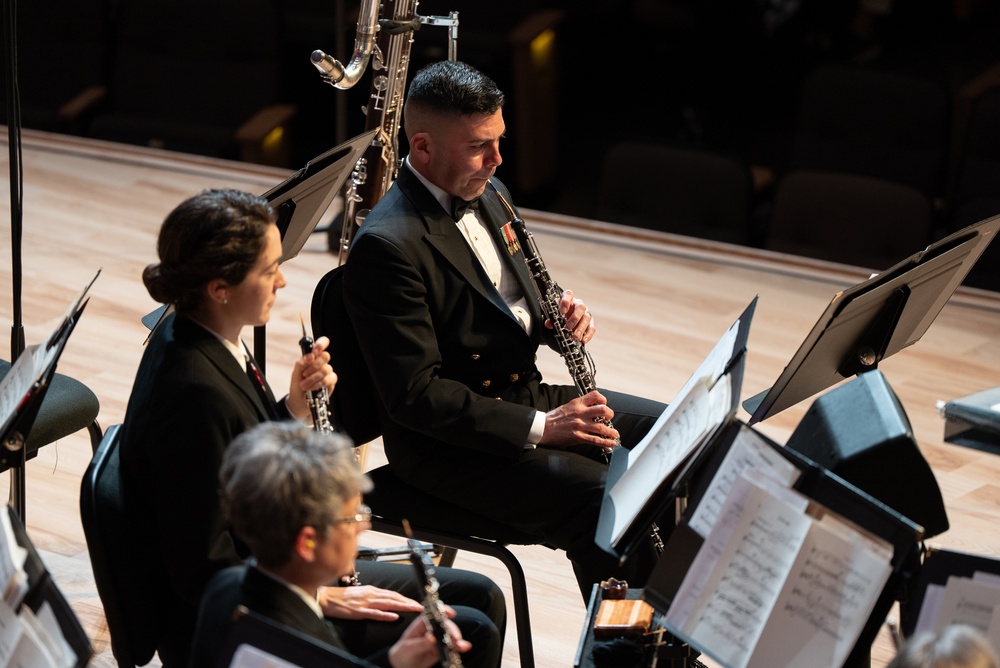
[(17, 482), (519, 590), (447, 555), (96, 435)]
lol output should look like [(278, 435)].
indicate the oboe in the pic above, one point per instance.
[(578, 360), (318, 400), (433, 613), (573, 352)]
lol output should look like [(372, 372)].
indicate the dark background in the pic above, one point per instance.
[(720, 75)]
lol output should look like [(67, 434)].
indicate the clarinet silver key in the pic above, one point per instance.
[(433, 614), (318, 400)]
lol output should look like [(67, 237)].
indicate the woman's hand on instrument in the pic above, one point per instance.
[(579, 320), (365, 602), (417, 647), (312, 372), (578, 422)]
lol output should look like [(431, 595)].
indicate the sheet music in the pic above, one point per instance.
[(748, 451), (247, 656), (13, 579), (669, 443), (698, 409), (729, 591), (829, 596), (967, 601), (710, 370), (773, 585)]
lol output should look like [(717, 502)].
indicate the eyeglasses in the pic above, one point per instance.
[(364, 514)]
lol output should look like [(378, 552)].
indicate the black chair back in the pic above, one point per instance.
[(132, 615), (356, 406)]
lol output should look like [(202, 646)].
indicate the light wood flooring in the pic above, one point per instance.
[(661, 302)]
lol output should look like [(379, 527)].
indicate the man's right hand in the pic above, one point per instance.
[(577, 422), (417, 647)]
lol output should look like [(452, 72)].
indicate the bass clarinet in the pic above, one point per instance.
[(386, 42)]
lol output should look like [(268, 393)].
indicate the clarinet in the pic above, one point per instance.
[(574, 353), (433, 613), (318, 400)]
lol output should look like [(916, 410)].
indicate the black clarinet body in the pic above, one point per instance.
[(433, 613), (574, 352), (318, 400)]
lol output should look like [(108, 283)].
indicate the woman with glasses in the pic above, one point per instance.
[(196, 389), (294, 496)]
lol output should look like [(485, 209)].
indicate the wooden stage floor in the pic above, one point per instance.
[(661, 302)]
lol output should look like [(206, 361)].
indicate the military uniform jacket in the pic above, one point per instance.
[(453, 367)]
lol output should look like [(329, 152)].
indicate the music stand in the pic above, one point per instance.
[(876, 318), (299, 203), (258, 641), (644, 481), (301, 200), (24, 387)]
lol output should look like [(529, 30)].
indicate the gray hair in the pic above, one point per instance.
[(954, 646), (281, 476)]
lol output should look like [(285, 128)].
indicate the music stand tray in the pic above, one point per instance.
[(874, 319)]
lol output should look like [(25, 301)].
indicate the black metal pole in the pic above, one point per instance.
[(16, 189), (17, 499)]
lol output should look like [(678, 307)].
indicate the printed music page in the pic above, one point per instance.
[(727, 595), (748, 451), (828, 597), (697, 410), (968, 601), (768, 567), (668, 443)]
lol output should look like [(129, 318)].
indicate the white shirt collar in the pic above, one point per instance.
[(443, 198)]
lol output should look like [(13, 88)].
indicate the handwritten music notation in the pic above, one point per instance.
[(774, 585)]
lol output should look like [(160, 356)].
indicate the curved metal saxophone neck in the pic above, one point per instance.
[(333, 71)]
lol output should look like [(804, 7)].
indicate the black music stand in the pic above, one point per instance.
[(256, 640), (876, 318), (300, 201), (822, 487), (43, 592), (22, 390)]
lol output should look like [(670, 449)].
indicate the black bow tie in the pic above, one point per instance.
[(459, 207)]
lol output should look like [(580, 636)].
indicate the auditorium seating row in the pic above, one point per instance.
[(236, 82), (881, 164)]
